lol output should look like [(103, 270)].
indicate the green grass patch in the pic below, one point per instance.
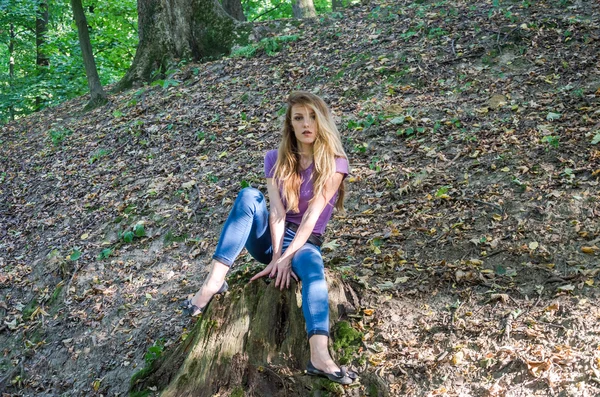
[(171, 238), (58, 136), (268, 45)]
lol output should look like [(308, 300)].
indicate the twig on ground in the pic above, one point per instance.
[(495, 206), (280, 379), (436, 238), (495, 253), (507, 328), (350, 236), (551, 325)]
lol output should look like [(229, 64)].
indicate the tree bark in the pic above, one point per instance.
[(243, 342), (41, 28), (97, 94), (11, 66), (175, 30), (303, 9), (234, 8)]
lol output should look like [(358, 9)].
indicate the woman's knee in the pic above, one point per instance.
[(249, 199), (308, 263), (250, 194)]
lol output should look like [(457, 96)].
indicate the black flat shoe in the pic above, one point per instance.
[(193, 310), (343, 376)]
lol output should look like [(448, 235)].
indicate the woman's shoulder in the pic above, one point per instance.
[(342, 165), (270, 160), (271, 156)]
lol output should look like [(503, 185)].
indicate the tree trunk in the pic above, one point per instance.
[(175, 30), (336, 5), (243, 342), (234, 8), (97, 95), (41, 28), (303, 9), (11, 67)]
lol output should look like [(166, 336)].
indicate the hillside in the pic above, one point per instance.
[(472, 129)]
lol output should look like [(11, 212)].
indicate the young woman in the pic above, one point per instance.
[(304, 183)]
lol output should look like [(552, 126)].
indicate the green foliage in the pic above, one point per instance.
[(29, 309), (167, 81), (244, 52), (552, 141), (58, 136), (261, 10), (98, 155), (153, 353), (347, 341), (138, 230), (374, 165), (128, 237), (237, 392), (113, 33), (171, 238), (595, 141), (75, 254), (268, 45), (105, 253), (56, 293), (368, 121)]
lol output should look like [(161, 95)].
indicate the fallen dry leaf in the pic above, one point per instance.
[(589, 250)]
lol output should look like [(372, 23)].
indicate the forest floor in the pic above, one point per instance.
[(472, 220)]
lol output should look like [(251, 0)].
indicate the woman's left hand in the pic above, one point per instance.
[(283, 270)]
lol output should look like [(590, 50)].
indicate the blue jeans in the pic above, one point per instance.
[(248, 226)]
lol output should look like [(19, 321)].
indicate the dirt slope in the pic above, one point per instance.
[(472, 223)]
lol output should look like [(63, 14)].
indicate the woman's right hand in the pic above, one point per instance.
[(281, 270), (266, 271)]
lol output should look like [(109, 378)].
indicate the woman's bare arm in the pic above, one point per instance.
[(276, 217), (309, 220)]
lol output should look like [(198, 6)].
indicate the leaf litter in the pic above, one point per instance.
[(471, 224)]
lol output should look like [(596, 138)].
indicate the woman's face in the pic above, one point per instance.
[(304, 124)]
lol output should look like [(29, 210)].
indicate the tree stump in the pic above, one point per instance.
[(251, 340)]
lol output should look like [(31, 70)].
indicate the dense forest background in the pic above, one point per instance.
[(40, 58)]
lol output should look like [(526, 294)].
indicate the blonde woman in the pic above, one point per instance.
[(304, 183)]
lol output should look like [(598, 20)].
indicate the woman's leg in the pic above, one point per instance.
[(247, 225), (308, 266)]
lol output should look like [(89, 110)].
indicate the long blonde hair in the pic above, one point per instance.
[(326, 148)]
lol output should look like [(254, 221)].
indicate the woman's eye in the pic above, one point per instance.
[(297, 118)]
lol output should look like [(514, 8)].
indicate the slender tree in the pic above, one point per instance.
[(11, 66), (303, 9), (174, 30), (41, 29), (234, 8), (97, 94)]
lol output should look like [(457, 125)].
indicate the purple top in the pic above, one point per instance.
[(306, 191)]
